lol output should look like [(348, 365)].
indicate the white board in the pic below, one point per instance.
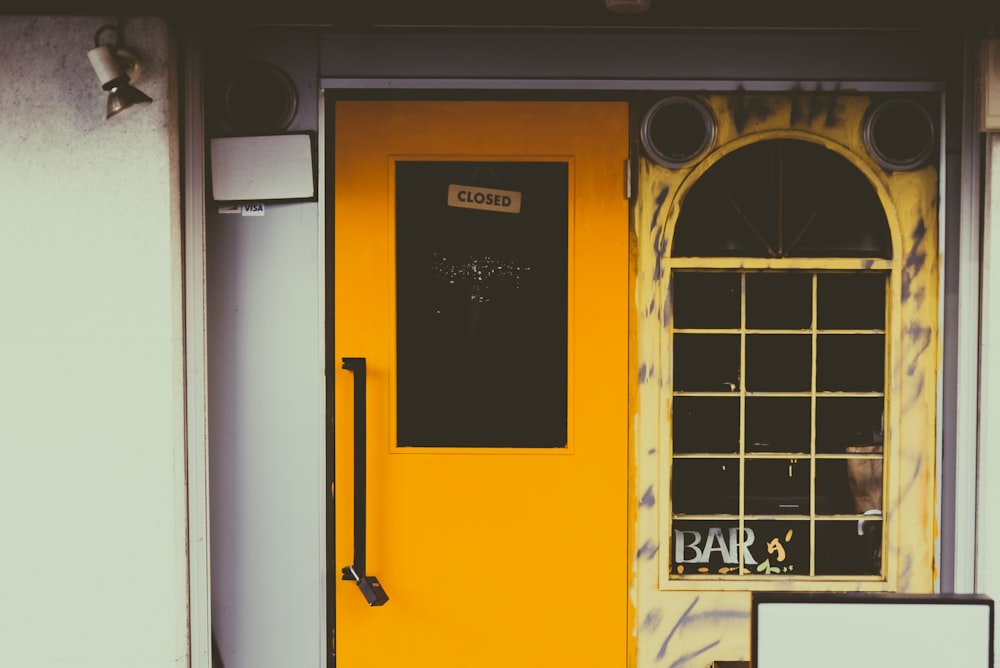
[(872, 631), (256, 169)]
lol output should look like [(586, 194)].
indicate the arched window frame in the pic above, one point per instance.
[(911, 332)]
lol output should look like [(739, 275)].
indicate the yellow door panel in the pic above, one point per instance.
[(492, 553)]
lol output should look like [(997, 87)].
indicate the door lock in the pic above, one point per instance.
[(369, 585)]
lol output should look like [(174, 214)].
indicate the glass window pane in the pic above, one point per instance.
[(778, 424), (706, 424), (706, 362), (807, 331), (849, 486), (849, 220), (701, 547), (850, 363), (864, 478), (842, 422), (782, 198), (778, 362), (779, 301), (777, 487), (711, 224), (481, 306), (831, 208), (776, 547), (849, 547), (851, 301), (833, 495), (705, 487), (706, 300)]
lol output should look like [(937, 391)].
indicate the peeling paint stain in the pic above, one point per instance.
[(915, 259), (904, 573), (652, 620), (919, 232), (808, 106), (680, 621), (910, 483), (648, 550), (914, 262), (686, 619), (642, 374), (707, 626), (648, 499), (744, 108), (660, 199), (920, 336), (687, 657), (914, 395), (667, 311), (660, 249)]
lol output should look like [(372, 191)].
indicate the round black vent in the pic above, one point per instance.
[(677, 130), (899, 134), (260, 97)]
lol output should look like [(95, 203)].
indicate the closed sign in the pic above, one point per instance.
[(487, 199)]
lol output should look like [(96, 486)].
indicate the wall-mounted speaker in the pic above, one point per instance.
[(257, 83), (259, 98), (899, 134), (677, 130)]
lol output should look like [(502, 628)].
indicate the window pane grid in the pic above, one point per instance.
[(819, 522), (812, 435), (742, 566)]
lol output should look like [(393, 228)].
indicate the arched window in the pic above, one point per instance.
[(782, 198), (780, 268)]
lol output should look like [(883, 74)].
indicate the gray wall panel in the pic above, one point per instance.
[(692, 56)]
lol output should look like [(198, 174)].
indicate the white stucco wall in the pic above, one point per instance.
[(92, 492), (988, 538), (266, 394)]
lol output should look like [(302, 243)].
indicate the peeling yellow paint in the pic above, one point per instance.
[(685, 623), (633, 408)]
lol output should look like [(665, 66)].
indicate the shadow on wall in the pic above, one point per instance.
[(216, 654)]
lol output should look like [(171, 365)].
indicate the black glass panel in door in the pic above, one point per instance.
[(481, 311)]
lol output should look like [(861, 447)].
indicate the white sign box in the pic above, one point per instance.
[(258, 169), (871, 631)]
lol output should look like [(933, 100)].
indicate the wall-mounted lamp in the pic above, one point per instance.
[(116, 67)]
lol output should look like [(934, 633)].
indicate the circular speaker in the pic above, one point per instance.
[(676, 130), (899, 134), (259, 97)]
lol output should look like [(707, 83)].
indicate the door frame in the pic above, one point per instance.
[(960, 190), (327, 194), (953, 468)]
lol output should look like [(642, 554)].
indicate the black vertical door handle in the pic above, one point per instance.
[(368, 584)]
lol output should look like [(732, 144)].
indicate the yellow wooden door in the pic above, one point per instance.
[(496, 472)]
